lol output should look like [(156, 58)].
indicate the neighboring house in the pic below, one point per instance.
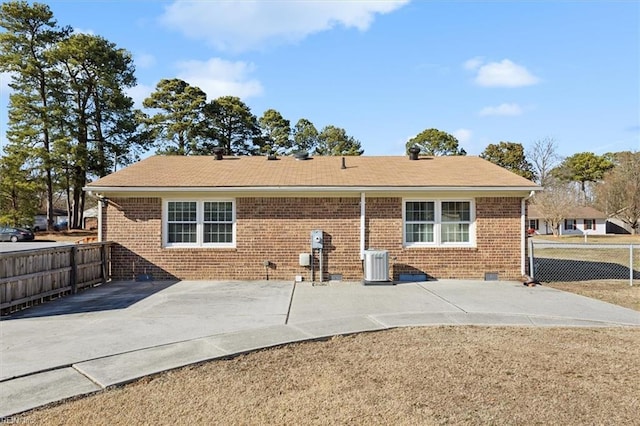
[(581, 220), (197, 217)]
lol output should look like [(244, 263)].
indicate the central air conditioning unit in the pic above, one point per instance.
[(376, 266)]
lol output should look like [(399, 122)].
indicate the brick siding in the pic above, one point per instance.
[(277, 230)]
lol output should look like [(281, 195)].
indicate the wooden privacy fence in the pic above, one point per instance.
[(30, 276)]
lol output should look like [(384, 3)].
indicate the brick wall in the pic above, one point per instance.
[(277, 229)]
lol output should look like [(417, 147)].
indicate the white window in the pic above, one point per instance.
[(534, 224), (439, 223), (569, 224), (589, 224), (199, 223)]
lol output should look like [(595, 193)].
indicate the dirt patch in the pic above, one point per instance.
[(73, 235), (618, 292), (438, 375)]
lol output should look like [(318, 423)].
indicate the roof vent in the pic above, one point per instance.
[(301, 155), (413, 152), (344, 164), (271, 157), (218, 151)]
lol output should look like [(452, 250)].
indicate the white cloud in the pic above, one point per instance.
[(463, 135), (240, 26), (83, 31), (501, 74), (502, 109), (218, 77)]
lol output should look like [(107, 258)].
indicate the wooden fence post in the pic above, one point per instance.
[(103, 261), (74, 270)]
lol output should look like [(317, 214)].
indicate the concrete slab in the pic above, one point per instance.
[(317, 303), (570, 322), (512, 298), (248, 340), (411, 319), (335, 326), (25, 393), (126, 316), (123, 368)]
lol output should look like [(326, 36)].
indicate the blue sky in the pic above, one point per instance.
[(386, 70)]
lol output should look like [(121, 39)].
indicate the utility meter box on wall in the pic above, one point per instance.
[(305, 259), (316, 239)]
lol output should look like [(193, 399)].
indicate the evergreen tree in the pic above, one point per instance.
[(30, 33), (510, 156), (232, 126), (177, 124), (435, 142), (334, 140)]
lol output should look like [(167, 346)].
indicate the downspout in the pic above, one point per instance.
[(523, 231), (363, 209), (99, 220)]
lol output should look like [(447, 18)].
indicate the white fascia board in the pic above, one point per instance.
[(110, 189)]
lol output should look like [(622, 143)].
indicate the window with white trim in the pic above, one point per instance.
[(438, 222), (182, 222), (199, 223), (419, 221), (569, 224)]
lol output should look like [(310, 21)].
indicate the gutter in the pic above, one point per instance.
[(360, 189), (363, 209), (523, 231)]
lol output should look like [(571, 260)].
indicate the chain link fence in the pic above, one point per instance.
[(564, 262)]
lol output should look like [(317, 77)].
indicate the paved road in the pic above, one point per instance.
[(121, 331)]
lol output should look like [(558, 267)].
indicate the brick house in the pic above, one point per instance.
[(198, 217)]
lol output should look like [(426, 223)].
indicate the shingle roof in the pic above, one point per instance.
[(364, 171), (580, 212)]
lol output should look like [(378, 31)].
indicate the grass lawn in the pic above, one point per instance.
[(618, 292), (600, 239)]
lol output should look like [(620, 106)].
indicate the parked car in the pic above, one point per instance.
[(40, 224), (14, 235), (62, 226)]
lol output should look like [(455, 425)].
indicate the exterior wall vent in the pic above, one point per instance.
[(491, 276)]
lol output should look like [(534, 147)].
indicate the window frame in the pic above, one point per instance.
[(183, 221), (438, 223), (200, 223), (573, 227), (592, 226), (535, 223)]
